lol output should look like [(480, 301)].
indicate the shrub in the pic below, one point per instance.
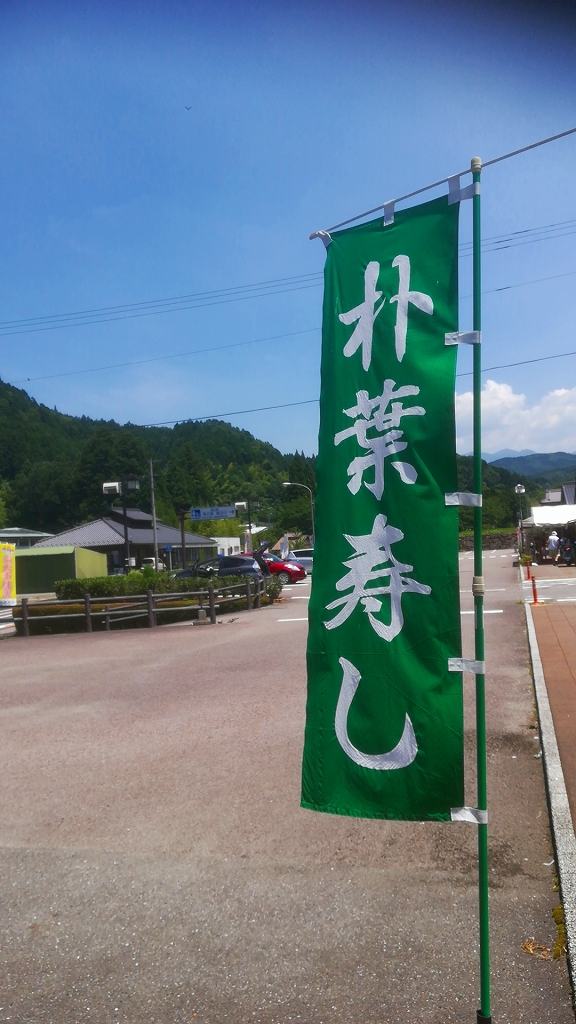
[(137, 582), (273, 588), (97, 586), (180, 608)]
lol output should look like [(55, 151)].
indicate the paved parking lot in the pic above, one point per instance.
[(157, 867)]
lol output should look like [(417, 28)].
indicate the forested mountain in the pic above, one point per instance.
[(52, 468), (545, 466), (500, 503)]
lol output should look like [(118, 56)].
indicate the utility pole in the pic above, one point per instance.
[(249, 523), (154, 530), (182, 514), (520, 490), (126, 538), (291, 483)]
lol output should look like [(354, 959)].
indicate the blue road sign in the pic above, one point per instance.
[(217, 512)]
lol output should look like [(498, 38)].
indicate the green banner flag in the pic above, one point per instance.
[(384, 717)]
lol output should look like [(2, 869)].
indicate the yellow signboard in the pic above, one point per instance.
[(7, 575)]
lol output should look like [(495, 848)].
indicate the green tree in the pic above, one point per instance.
[(6, 499), (110, 455), (43, 496)]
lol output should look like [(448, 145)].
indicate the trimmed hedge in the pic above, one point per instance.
[(181, 609), (158, 582), (136, 582)]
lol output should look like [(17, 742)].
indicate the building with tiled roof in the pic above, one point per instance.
[(22, 538), (107, 535)]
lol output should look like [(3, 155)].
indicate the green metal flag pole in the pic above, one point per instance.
[(312, 786), (478, 592)]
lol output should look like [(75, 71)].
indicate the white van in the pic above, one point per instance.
[(151, 562)]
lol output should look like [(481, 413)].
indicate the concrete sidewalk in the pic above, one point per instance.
[(552, 640), (555, 626)]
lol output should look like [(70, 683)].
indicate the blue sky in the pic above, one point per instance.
[(302, 115)]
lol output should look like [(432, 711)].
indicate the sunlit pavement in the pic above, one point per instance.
[(157, 867)]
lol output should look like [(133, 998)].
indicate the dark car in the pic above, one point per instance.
[(229, 565), (183, 574)]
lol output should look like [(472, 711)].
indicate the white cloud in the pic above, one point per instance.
[(509, 422)]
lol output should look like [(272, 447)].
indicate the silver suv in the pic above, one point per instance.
[(305, 556)]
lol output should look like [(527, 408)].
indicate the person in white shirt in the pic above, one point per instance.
[(553, 546)]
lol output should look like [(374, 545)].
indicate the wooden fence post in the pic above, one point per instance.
[(87, 614), (107, 617), (248, 595), (212, 605), (25, 623), (151, 608), (259, 584)]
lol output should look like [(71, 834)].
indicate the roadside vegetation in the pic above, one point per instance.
[(69, 617), (52, 468), (138, 582)]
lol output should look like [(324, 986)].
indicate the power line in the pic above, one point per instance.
[(312, 401), (254, 341), (277, 286), (174, 355), (156, 312), (522, 284), (522, 362), (128, 306), (239, 412)]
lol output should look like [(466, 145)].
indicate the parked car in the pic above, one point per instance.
[(305, 556), (229, 565), (151, 562), (286, 571), (184, 574)]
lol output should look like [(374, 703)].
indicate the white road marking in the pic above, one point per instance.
[(305, 619), (549, 583), (487, 611), (565, 600), (297, 598)]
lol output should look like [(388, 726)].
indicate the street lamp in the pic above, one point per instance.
[(127, 483), (520, 490), (290, 483)]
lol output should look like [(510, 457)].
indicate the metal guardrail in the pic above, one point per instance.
[(148, 605)]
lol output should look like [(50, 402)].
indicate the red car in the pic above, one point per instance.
[(287, 572)]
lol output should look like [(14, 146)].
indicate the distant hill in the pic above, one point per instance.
[(539, 465), (504, 453), (52, 467)]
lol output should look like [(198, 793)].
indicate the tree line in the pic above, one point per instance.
[(52, 468)]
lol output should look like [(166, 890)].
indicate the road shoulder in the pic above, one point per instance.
[(559, 807)]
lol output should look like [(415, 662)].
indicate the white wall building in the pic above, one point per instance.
[(228, 545)]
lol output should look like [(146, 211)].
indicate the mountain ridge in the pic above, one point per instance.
[(539, 464)]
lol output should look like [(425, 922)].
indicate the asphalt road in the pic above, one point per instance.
[(157, 867)]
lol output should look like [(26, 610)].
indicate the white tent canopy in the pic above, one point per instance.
[(552, 515)]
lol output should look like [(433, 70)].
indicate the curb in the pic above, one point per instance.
[(560, 816)]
